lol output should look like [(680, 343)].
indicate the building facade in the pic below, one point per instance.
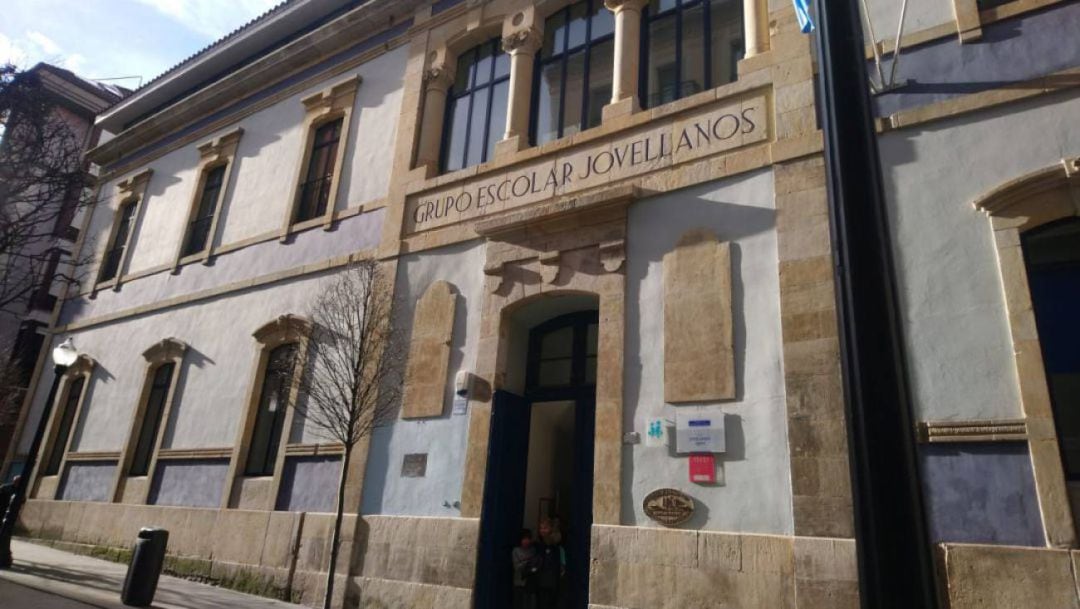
[(73, 104), (608, 228)]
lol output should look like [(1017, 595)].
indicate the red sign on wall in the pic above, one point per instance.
[(703, 468)]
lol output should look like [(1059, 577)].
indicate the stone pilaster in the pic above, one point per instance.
[(437, 80), (624, 89), (522, 45), (756, 26)]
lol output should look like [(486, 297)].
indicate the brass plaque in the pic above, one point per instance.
[(668, 506)]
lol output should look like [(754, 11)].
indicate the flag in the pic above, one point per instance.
[(802, 11)]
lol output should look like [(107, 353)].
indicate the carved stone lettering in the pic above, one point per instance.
[(652, 148)]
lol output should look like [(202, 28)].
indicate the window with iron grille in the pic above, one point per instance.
[(114, 255), (476, 106), (155, 408), (688, 46), (314, 192), (198, 235), (270, 417), (574, 71), (63, 432)]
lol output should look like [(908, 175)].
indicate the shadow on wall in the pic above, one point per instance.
[(251, 145), (100, 374), (687, 209), (192, 357), (381, 463)]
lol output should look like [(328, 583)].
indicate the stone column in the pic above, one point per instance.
[(624, 99), (522, 46), (437, 81), (756, 24)]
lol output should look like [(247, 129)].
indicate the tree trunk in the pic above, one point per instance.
[(335, 542)]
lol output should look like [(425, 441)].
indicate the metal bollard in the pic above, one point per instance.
[(141, 580)]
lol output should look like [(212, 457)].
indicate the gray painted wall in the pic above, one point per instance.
[(981, 493), (1009, 51), (754, 491), (309, 484), (953, 309), (87, 481), (194, 483), (442, 438)]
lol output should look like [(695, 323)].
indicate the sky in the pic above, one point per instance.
[(101, 39)]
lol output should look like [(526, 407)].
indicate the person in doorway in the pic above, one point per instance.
[(552, 565), (526, 564), (7, 493)]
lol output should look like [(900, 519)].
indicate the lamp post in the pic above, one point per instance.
[(63, 356)]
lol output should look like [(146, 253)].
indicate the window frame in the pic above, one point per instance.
[(331, 104), (276, 418), (168, 351), (53, 445), (213, 155), (131, 193), (470, 92), (240, 488), (676, 13), (563, 58)]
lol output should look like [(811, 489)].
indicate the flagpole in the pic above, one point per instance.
[(894, 557)]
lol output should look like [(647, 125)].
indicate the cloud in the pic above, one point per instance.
[(33, 47), (43, 42), (210, 18)]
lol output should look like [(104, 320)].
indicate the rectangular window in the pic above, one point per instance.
[(315, 191), (28, 344), (41, 299), (114, 255), (574, 73), (476, 107), (270, 417), (198, 236), (63, 432), (689, 46), (155, 408)]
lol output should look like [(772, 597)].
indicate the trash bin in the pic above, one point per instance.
[(141, 581)]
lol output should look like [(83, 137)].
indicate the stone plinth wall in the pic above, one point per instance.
[(395, 561), (1006, 577), (651, 568), (420, 563)]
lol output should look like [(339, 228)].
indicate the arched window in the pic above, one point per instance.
[(1052, 257), (270, 417), (476, 106), (689, 46), (574, 70)]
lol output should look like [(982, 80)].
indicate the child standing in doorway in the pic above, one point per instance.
[(552, 565), (526, 564)]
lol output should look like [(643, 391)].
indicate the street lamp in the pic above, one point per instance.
[(63, 355)]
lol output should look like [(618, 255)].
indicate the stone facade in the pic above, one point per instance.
[(696, 232)]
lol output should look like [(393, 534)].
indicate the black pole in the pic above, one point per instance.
[(894, 555), (11, 516)]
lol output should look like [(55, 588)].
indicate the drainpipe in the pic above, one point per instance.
[(894, 557)]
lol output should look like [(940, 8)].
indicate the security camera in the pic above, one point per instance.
[(463, 383)]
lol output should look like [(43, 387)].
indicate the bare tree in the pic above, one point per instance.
[(354, 381), (43, 183)]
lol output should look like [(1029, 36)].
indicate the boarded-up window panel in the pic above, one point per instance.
[(699, 363), (429, 352)]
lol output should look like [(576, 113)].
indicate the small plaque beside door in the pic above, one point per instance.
[(668, 506)]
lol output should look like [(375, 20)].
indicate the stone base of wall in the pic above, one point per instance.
[(1006, 577), (651, 568)]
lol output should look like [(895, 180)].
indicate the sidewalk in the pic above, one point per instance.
[(97, 583)]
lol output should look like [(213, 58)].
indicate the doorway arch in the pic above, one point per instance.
[(541, 445)]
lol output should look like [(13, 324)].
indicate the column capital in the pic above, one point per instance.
[(524, 41), (439, 76), (617, 6)]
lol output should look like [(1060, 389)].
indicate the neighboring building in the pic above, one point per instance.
[(621, 213), (75, 102)]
